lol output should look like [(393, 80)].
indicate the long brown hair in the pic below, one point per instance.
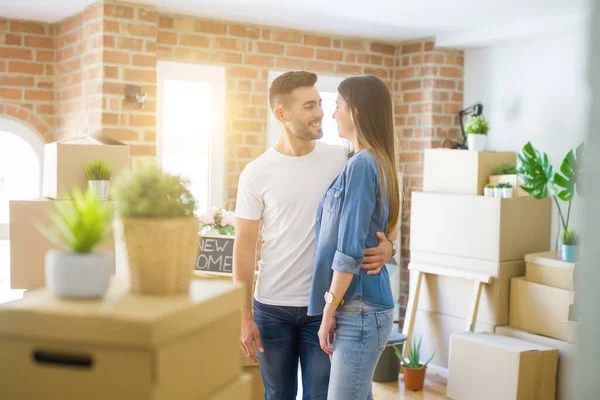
[(371, 106)]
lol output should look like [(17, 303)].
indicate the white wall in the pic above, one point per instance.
[(533, 90)]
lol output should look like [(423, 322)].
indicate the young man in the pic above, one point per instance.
[(282, 189)]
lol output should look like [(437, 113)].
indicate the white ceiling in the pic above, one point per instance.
[(381, 19)]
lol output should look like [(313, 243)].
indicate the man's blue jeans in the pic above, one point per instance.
[(288, 334)]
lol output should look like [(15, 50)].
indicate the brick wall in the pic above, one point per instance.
[(27, 74)]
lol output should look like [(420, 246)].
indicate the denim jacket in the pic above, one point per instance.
[(349, 215)]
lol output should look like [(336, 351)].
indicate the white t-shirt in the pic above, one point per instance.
[(284, 192)]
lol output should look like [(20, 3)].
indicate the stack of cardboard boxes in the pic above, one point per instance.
[(63, 169), (453, 225)]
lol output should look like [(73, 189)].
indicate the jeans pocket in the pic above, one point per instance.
[(385, 322)]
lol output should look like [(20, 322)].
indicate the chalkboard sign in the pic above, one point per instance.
[(216, 254)]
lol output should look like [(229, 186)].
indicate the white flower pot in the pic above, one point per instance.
[(497, 192), (507, 192), (78, 275), (476, 142), (488, 192), (99, 187)]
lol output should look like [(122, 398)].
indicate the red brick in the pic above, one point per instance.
[(260, 86), (330, 55), (353, 44), (142, 120), (121, 134), (116, 57), (439, 84), (39, 95), (22, 81), (285, 36), (405, 61), (388, 62), (244, 86), (375, 60), (141, 30), (412, 48), (230, 44), (405, 73), (143, 150), (10, 94), (379, 72), (243, 72), (319, 66), (259, 61), (410, 157), (125, 43), (165, 22), (401, 109), (429, 59), (27, 27), (337, 44), (167, 38), (259, 100), (25, 67), (92, 58), (437, 95), (410, 85), (300, 51), (418, 145), (109, 41), (314, 40), (247, 126), (194, 41), (383, 48), (44, 55), (457, 97), (45, 85), (144, 61), (36, 41), (346, 69), (461, 85), (111, 10), (427, 71), (362, 58), (226, 58), (147, 15), (289, 63), (413, 97), (350, 57), (217, 28), (47, 109), (429, 46), (113, 88), (11, 53), (452, 108), (455, 60), (192, 54), (451, 133), (150, 136), (140, 75), (270, 48), (244, 31), (450, 72), (150, 46), (11, 40)]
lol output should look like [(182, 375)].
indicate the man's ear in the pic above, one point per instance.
[(280, 114)]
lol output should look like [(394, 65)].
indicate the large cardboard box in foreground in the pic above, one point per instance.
[(452, 296), (461, 171), (480, 227), (495, 367), (64, 162), (566, 358), (546, 268), (123, 346), (28, 246), (540, 309)]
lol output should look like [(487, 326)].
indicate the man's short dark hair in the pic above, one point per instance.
[(284, 84)]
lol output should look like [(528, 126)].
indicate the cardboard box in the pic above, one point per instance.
[(452, 296), (539, 309), (495, 367), (28, 246), (513, 180), (486, 228), (240, 389), (437, 330), (461, 171), (122, 346), (258, 388), (548, 269), (565, 377), (65, 162)]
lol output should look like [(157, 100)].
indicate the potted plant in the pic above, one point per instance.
[(507, 173), (539, 178), (217, 221), (476, 128), (98, 173), (488, 190), (507, 189), (159, 229), (80, 225), (498, 190), (412, 368)]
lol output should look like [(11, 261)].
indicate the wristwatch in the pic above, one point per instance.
[(330, 299), (393, 247)]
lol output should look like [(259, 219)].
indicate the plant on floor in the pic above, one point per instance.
[(98, 170), (477, 125), (413, 360), (505, 169)]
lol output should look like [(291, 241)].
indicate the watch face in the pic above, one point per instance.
[(328, 297)]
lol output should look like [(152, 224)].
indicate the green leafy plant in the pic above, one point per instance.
[(505, 169), (504, 185), (477, 125), (489, 186), (98, 170), (80, 224), (571, 238), (148, 192), (540, 180), (413, 360)]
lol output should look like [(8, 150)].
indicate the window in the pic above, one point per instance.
[(327, 86), (191, 127), (21, 161)]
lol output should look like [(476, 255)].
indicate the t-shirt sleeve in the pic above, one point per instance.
[(249, 204)]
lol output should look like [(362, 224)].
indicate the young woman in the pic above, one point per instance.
[(356, 307)]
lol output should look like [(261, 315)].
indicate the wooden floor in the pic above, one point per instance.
[(435, 389)]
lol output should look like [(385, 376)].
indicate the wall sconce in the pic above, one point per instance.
[(133, 94)]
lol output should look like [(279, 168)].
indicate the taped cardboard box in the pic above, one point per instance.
[(65, 162), (240, 389), (566, 358), (494, 367), (28, 246), (453, 296), (479, 227), (540, 309), (123, 346), (546, 268), (461, 171)]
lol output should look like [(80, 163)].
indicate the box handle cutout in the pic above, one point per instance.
[(62, 359)]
